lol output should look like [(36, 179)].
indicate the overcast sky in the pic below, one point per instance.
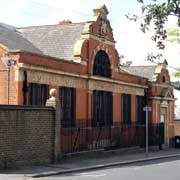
[(131, 42)]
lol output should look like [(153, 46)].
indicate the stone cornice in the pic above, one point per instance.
[(162, 98), (162, 85), (104, 40), (117, 82), (59, 72)]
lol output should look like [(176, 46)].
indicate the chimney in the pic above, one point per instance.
[(65, 22)]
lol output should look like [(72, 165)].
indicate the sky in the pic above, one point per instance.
[(131, 42)]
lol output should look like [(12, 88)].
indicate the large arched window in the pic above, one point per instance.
[(102, 66)]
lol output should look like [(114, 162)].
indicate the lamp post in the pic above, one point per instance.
[(8, 61)]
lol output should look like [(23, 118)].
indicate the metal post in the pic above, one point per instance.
[(8, 62), (147, 133), (8, 84)]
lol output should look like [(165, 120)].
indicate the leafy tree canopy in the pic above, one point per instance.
[(173, 35), (158, 11)]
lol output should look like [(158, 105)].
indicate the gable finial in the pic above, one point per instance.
[(100, 10)]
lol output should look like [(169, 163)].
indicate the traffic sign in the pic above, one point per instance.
[(146, 108)]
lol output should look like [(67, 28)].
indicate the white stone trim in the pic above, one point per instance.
[(104, 40), (34, 68)]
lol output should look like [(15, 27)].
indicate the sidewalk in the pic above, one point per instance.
[(86, 162)]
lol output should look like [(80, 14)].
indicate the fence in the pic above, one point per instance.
[(84, 137)]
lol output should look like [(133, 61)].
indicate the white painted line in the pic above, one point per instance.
[(161, 164), (92, 175), (137, 168)]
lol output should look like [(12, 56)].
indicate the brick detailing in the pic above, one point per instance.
[(26, 136), (177, 128), (116, 107)]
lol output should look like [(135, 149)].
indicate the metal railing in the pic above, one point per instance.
[(84, 137)]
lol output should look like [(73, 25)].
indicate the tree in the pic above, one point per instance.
[(173, 35), (157, 12)]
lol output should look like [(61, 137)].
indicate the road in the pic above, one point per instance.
[(152, 170)]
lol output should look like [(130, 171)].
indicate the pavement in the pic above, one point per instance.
[(87, 162)]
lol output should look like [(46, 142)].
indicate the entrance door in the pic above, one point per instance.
[(161, 129)]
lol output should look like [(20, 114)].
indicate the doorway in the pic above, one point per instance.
[(163, 126)]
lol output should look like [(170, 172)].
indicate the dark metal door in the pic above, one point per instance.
[(161, 133)]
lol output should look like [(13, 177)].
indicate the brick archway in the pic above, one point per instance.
[(100, 47), (102, 66)]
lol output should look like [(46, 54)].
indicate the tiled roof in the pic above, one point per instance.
[(13, 40), (54, 40), (176, 85), (142, 71)]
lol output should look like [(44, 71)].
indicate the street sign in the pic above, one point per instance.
[(146, 108)]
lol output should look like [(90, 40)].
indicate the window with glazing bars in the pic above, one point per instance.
[(126, 108), (38, 94), (140, 103), (102, 66), (67, 99), (102, 108)]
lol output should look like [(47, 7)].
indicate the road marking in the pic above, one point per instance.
[(137, 168), (161, 164), (92, 175)]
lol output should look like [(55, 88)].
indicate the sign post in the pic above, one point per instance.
[(147, 109)]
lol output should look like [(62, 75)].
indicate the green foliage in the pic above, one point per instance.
[(177, 74), (174, 35), (174, 32), (157, 12)]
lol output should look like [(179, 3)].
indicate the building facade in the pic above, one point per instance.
[(80, 61)]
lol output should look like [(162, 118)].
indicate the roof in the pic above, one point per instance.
[(176, 85), (13, 40), (53, 40), (142, 71)]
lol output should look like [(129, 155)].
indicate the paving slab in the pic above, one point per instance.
[(85, 163)]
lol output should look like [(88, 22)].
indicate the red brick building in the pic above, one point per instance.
[(80, 60)]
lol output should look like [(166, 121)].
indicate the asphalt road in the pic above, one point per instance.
[(153, 170)]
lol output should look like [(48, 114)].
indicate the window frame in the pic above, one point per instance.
[(68, 104), (38, 95), (102, 66), (140, 104), (126, 108), (102, 109)]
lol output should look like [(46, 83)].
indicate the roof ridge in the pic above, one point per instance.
[(51, 25)]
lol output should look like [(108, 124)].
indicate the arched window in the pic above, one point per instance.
[(102, 66), (163, 79)]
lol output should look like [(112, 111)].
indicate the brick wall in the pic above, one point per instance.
[(177, 128), (26, 136)]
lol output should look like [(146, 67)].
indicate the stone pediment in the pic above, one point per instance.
[(166, 93), (100, 25)]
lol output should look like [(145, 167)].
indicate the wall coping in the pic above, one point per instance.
[(24, 107)]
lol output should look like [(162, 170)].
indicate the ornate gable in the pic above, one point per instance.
[(166, 93), (161, 74), (99, 30), (100, 25)]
